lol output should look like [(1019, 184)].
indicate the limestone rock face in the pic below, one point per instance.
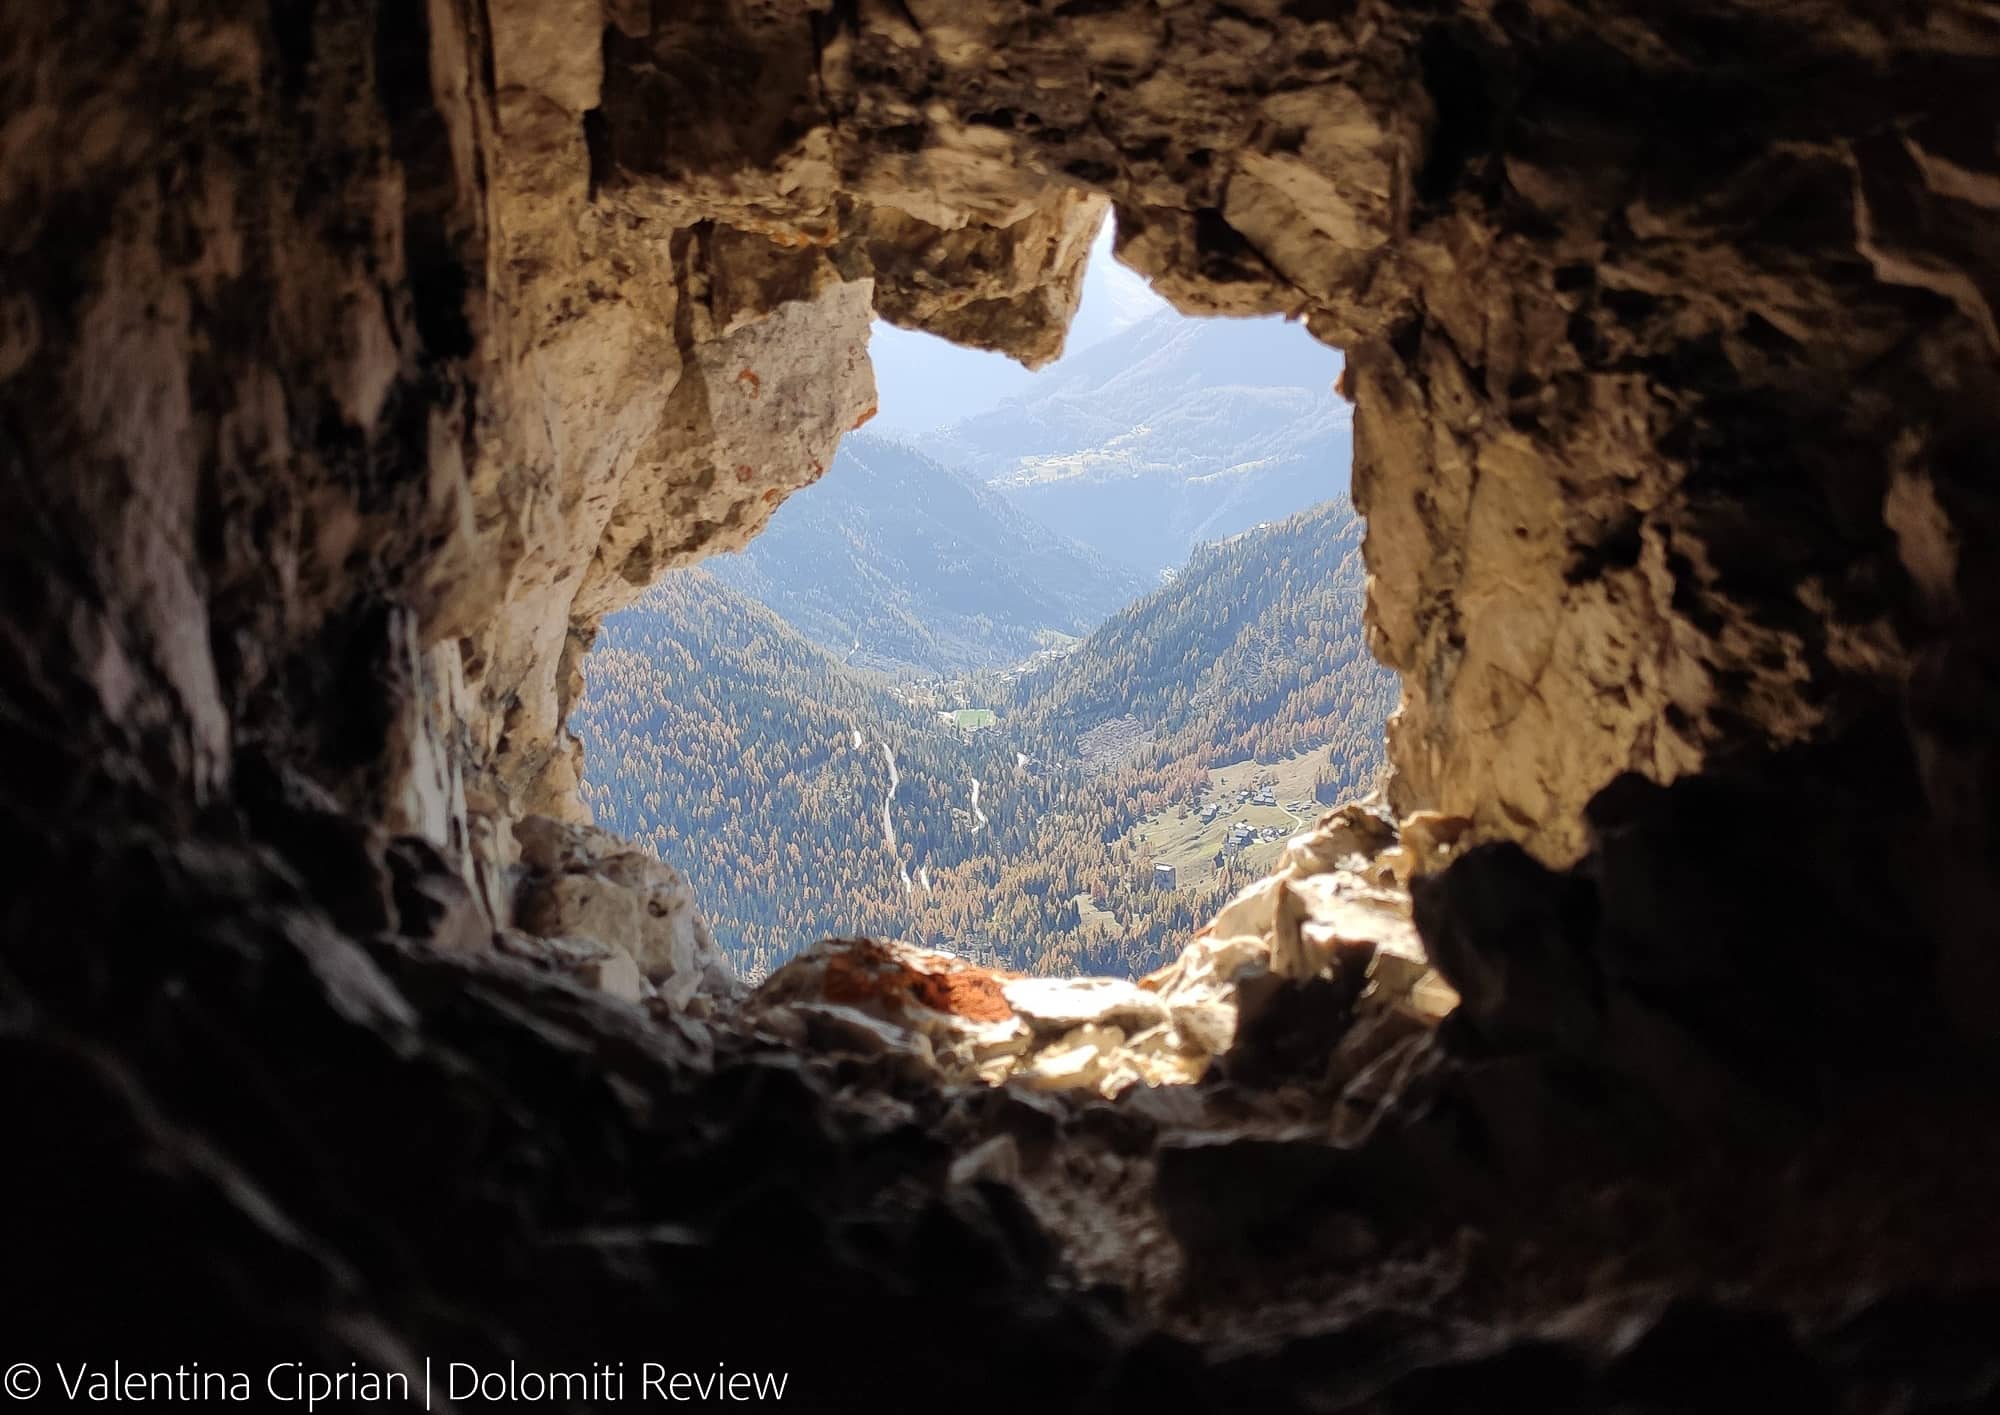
[(590, 298), (581, 882), (1063, 1003), (1567, 331), (587, 960)]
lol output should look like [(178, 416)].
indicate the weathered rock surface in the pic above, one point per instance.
[(578, 881), (632, 292), (1581, 348), (587, 960)]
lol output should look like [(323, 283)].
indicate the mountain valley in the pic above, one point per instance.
[(1041, 687), (806, 797), (1214, 426), (895, 562)]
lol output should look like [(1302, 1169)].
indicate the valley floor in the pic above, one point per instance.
[(1181, 837)]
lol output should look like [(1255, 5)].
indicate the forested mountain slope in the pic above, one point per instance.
[(894, 562), (751, 759), (747, 757), (1255, 650), (1169, 434)]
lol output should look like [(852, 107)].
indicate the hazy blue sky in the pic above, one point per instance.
[(923, 382)]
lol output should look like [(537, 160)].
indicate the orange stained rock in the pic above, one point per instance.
[(865, 971)]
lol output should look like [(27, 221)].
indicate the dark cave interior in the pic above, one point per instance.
[(356, 357)]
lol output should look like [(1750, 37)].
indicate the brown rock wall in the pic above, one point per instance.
[(1618, 379), (407, 345)]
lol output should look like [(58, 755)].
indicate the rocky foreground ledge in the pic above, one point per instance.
[(1621, 1151), (1324, 947)]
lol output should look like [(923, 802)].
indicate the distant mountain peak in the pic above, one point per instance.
[(898, 563), (1227, 423)]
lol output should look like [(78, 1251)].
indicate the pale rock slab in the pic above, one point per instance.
[(587, 961), (1059, 1004), (578, 881), (1080, 1059)]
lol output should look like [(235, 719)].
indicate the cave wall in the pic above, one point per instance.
[(348, 404), (1665, 427), (401, 345)]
